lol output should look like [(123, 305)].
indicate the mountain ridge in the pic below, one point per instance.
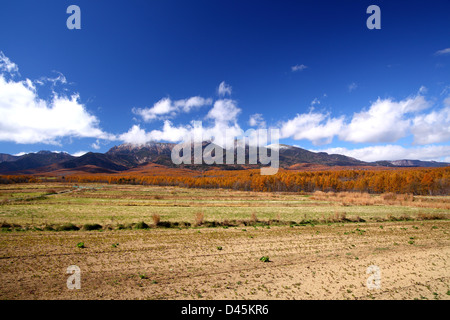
[(127, 156)]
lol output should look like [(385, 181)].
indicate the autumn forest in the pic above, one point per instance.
[(417, 181)]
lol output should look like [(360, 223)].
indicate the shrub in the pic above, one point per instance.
[(67, 227), (211, 224), (199, 216), (404, 217), (264, 259), (185, 224), (5, 225), (108, 227), (81, 245), (48, 227), (389, 196), (156, 219), (357, 219), (168, 224), (141, 225), (92, 226), (432, 216)]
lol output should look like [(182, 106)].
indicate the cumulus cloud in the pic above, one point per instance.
[(25, 118), (384, 121), (298, 67), (224, 110), (223, 115), (222, 119), (224, 89), (139, 136), (393, 152), (167, 107), (317, 127), (433, 127), (135, 135), (170, 133), (257, 120)]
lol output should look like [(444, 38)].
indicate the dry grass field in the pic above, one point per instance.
[(158, 243)]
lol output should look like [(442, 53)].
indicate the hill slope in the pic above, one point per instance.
[(28, 162), (131, 157)]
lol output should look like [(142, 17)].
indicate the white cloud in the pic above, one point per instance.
[(224, 89), (194, 102), (257, 120), (442, 52), (224, 114), (135, 135), (219, 131), (170, 133), (25, 118), (393, 152), (298, 67), (316, 127), (7, 65), (96, 145), (433, 127), (385, 121), (167, 107), (224, 110)]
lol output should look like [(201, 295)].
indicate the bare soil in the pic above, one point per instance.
[(306, 262)]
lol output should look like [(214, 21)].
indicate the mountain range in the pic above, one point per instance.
[(127, 156)]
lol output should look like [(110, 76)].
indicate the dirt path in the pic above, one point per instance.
[(320, 262)]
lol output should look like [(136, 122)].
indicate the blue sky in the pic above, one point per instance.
[(139, 71)]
